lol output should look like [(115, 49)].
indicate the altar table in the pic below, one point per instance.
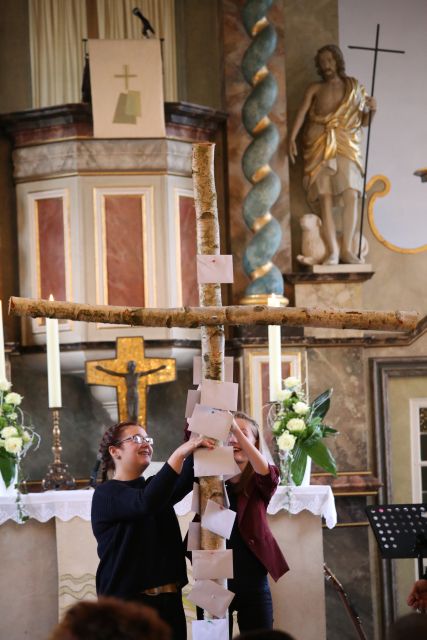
[(49, 563)]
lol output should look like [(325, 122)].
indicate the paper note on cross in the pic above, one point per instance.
[(131, 373)]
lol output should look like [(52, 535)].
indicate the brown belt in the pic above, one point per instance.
[(165, 588)]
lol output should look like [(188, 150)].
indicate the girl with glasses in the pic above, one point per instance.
[(134, 522)]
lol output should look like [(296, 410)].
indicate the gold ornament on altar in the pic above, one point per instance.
[(131, 373)]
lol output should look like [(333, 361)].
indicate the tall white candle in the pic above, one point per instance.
[(274, 353), (53, 363), (2, 360)]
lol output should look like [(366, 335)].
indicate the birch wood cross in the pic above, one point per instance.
[(211, 316)]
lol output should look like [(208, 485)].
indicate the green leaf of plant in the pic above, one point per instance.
[(321, 456), (329, 431), (298, 464), (7, 467), (320, 406)]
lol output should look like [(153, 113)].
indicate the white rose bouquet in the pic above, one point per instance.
[(15, 437), (299, 430)]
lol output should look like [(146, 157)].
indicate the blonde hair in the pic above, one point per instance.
[(247, 473)]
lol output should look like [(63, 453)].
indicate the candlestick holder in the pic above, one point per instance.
[(57, 476)]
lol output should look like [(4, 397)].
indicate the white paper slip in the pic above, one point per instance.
[(214, 268), (214, 462), (218, 519), (193, 538), (197, 369), (210, 629), (193, 397), (214, 423), (211, 596), (212, 565), (219, 395)]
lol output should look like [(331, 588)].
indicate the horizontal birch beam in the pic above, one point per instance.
[(193, 317)]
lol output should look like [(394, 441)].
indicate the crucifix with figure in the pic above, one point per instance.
[(131, 373)]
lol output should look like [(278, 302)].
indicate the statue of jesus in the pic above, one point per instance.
[(334, 110), (131, 378)]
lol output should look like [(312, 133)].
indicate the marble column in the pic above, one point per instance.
[(236, 41)]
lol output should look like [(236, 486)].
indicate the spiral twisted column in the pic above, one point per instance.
[(265, 277)]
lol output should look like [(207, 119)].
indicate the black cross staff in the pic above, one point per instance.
[(375, 50)]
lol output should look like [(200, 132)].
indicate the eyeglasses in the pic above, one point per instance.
[(137, 439)]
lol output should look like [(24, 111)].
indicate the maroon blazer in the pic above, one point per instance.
[(253, 526)]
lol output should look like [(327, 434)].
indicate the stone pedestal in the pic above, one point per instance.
[(337, 286)]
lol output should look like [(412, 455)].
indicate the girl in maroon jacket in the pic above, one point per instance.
[(255, 551)]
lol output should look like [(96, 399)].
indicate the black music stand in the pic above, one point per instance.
[(400, 530)]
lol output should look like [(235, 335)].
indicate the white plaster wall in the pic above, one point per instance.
[(399, 133)]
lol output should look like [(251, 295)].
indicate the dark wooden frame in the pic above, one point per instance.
[(382, 370)]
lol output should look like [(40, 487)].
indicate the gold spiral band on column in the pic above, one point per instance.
[(261, 221), (259, 26), (261, 125), (260, 75), (261, 271), (260, 173)]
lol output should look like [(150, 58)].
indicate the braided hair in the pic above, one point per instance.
[(110, 438)]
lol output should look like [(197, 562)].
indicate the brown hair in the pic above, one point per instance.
[(338, 57), (248, 471), (110, 619), (110, 438)]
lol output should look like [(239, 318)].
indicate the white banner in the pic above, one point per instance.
[(127, 88)]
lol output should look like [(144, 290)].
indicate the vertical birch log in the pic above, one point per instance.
[(212, 337)]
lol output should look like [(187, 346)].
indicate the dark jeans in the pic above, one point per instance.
[(170, 608), (253, 604)]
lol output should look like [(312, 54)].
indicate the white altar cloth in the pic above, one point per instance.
[(57, 542), (318, 499)]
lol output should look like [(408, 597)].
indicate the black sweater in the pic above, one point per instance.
[(137, 531)]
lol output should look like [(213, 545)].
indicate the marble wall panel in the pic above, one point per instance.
[(124, 250), (346, 552), (343, 295), (342, 369), (236, 41), (51, 248), (188, 240), (87, 156)]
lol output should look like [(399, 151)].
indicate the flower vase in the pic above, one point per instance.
[(11, 490), (307, 473), (285, 470)]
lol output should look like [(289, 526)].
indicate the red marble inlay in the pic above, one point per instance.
[(125, 250), (187, 227), (50, 222)]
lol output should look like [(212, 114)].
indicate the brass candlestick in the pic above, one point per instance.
[(57, 476)]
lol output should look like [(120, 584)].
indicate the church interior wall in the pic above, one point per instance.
[(199, 55), (397, 144), (15, 70), (397, 284)]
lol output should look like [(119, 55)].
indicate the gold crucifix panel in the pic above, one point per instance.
[(131, 373)]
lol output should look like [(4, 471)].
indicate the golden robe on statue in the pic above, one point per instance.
[(332, 146)]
